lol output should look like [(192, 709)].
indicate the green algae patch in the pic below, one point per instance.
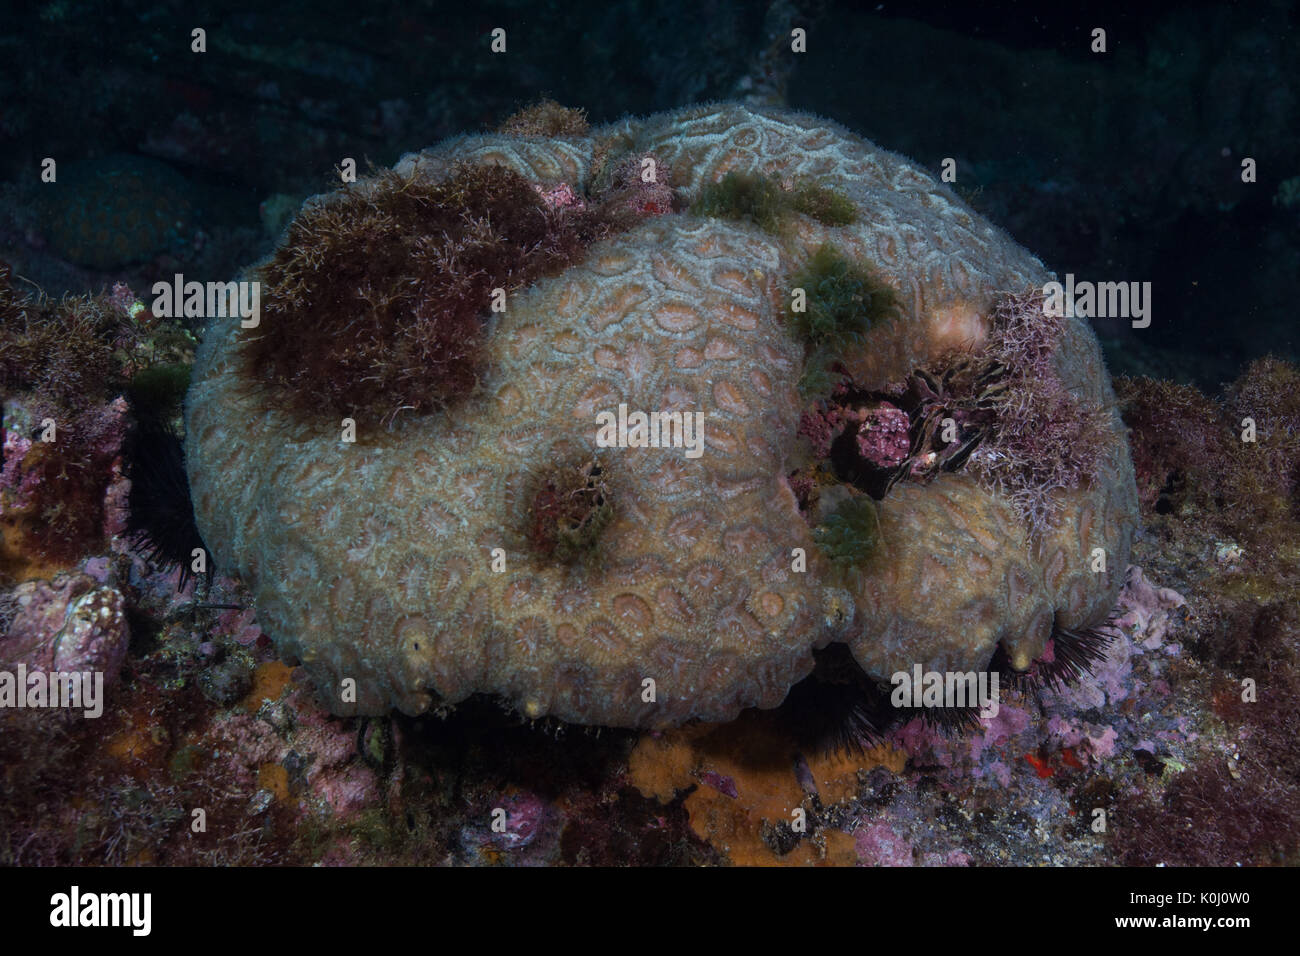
[(763, 201), (828, 206), (849, 536), (833, 304), (749, 197)]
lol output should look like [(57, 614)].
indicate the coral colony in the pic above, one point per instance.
[(398, 566), (722, 426)]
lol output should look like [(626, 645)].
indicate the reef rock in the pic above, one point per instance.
[(374, 561), (71, 624)]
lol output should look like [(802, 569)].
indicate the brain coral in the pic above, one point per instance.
[(374, 560)]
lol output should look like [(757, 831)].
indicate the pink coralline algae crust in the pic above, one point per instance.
[(819, 427), (1144, 609), (559, 196), (1009, 723), (1108, 682), (525, 814), (122, 299), (14, 481), (1091, 743), (99, 568), (116, 501), (105, 431), (115, 506), (326, 776), (879, 845), (964, 752), (528, 833), (882, 435), (241, 625), (880, 430), (70, 624), (156, 587), (721, 783), (65, 496)]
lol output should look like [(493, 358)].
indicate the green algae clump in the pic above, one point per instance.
[(828, 206), (751, 197), (762, 200), (849, 535), (840, 304)]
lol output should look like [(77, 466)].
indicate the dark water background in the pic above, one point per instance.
[(1117, 166)]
